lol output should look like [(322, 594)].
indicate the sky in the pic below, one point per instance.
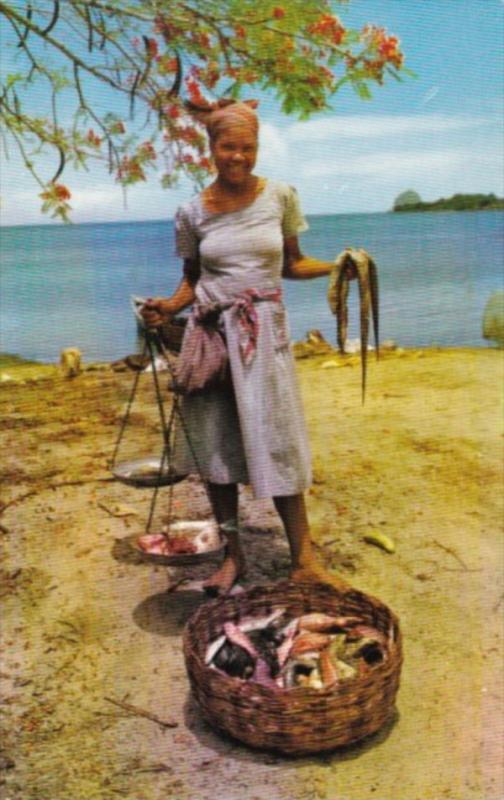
[(439, 133)]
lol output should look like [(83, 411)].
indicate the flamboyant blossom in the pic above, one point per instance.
[(160, 57)]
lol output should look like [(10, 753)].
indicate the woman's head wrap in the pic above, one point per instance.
[(218, 117)]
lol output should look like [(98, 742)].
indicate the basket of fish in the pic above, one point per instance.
[(145, 472), (183, 543), (295, 668)]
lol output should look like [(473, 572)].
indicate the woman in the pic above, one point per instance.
[(238, 238)]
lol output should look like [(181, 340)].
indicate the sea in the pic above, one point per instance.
[(70, 285)]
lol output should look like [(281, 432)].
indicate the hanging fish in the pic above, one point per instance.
[(350, 264)]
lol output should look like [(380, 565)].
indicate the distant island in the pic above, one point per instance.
[(411, 201)]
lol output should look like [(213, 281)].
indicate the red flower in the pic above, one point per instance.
[(194, 92), (329, 27), (173, 112), (146, 151), (117, 127), (151, 47), (61, 192), (278, 12), (92, 138)]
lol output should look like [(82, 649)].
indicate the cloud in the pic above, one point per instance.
[(387, 162), (99, 199), (274, 151), (372, 126)]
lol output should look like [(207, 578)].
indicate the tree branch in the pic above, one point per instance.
[(54, 18), (13, 15)]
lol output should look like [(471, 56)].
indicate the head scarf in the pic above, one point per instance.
[(218, 117)]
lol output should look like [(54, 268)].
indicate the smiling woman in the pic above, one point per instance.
[(236, 371)]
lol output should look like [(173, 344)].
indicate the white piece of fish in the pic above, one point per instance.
[(213, 648), (289, 632), (258, 623), (239, 638)]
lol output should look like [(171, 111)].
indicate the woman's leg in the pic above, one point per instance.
[(224, 498), (305, 567)]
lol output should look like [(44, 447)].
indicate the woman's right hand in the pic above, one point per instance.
[(156, 311)]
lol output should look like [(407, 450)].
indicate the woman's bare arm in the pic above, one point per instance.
[(300, 267), (159, 309)]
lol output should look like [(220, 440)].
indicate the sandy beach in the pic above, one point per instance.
[(83, 621)]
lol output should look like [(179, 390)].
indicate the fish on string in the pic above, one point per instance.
[(350, 264)]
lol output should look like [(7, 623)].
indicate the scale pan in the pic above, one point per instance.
[(203, 534), (146, 472)]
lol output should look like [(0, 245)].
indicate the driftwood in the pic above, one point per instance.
[(350, 264), (451, 552), (139, 712)]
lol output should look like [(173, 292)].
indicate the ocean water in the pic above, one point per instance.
[(63, 286)]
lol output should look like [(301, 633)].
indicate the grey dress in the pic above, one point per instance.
[(251, 431)]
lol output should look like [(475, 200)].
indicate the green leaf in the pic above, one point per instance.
[(363, 90), (169, 181), (13, 78), (409, 72)]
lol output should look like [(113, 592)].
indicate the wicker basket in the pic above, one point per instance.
[(296, 721)]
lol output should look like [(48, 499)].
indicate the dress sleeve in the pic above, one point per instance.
[(186, 241), (293, 221)]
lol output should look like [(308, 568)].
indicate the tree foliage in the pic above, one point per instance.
[(457, 202), (407, 198), (158, 54)]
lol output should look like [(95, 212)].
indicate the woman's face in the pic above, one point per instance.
[(235, 153)]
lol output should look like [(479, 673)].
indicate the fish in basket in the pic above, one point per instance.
[(183, 543), (296, 668)]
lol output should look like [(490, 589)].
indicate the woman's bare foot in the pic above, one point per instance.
[(314, 573), (222, 581)]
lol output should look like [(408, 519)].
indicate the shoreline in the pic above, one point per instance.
[(17, 371), (56, 224), (13, 361)]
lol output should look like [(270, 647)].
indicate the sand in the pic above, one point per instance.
[(83, 621)]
